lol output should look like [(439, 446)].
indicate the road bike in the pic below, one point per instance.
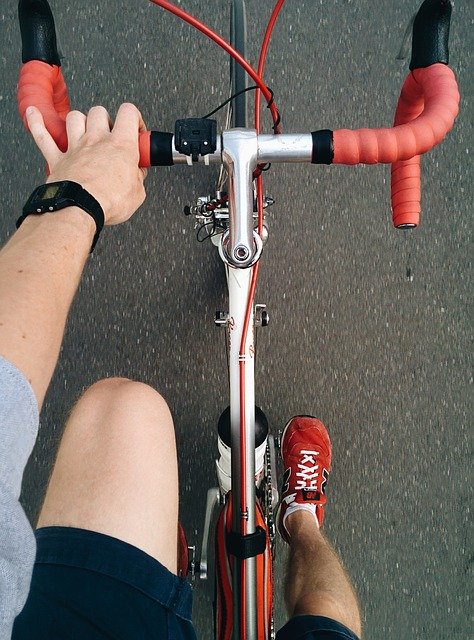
[(234, 219)]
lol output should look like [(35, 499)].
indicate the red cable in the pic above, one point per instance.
[(261, 65), (263, 55), (225, 45)]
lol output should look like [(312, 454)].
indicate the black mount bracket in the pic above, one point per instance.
[(195, 137)]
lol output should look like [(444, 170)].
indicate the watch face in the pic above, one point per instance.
[(48, 192), (51, 191), (49, 197)]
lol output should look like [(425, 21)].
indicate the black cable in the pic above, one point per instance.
[(229, 100), (278, 120), (272, 99), (277, 123), (269, 104), (209, 234)]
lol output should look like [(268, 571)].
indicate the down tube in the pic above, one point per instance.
[(239, 287)]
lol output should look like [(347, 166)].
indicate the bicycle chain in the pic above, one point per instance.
[(269, 518)]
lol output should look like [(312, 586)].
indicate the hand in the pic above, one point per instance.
[(102, 158)]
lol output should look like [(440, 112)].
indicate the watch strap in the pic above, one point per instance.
[(76, 196)]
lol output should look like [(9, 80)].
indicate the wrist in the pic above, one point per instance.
[(77, 217), (73, 220), (93, 189), (56, 196)]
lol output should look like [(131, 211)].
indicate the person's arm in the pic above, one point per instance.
[(40, 267)]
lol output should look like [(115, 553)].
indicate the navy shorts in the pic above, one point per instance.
[(89, 586)]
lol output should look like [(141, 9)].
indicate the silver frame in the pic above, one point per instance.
[(240, 151)]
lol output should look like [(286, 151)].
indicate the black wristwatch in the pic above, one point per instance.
[(59, 195)]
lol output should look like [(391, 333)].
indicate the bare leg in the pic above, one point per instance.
[(316, 583), (116, 471)]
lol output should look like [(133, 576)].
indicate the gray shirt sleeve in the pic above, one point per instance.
[(19, 421)]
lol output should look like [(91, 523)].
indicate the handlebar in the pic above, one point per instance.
[(427, 107)]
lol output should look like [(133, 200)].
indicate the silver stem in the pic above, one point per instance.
[(239, 156)]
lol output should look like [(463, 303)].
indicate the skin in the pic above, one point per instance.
[(123, 480), (316, 582), (41, 265), (102, 474)]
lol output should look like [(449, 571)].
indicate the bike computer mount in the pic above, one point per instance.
[(195, 137)]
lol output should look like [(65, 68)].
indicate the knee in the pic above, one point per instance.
[(122, 389), (123, 400), (112, 386)]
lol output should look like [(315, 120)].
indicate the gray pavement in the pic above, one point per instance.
[(383, 359)]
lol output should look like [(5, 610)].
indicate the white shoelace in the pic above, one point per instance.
[(308, 470)]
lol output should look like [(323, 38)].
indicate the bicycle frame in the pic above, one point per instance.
[(240, 150), (239, 291), (240, 154)]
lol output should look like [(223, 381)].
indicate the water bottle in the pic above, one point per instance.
[(223, 464)]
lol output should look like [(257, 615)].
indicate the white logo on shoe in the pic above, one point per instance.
[(308, 470)]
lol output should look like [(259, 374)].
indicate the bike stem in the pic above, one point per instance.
[(239, 156)]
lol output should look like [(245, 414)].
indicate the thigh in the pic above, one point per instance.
[(89, 586), (116, 469)]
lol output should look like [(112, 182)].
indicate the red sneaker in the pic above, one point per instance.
[(306, 452)]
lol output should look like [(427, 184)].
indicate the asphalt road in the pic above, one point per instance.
[(384, 359)]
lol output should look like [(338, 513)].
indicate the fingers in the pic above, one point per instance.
[(98, 121), (128, 124), (75, 127), (42, 137)]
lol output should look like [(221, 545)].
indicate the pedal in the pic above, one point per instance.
[(272, 445)]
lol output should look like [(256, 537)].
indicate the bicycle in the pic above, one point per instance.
[(234, 219)]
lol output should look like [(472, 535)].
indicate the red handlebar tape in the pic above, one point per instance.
[(433, 91), (428, 105), (42, 85), (427, 108)]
